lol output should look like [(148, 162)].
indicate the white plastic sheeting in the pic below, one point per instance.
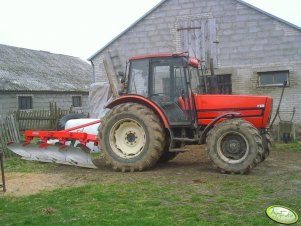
[(99, 97), (93, 129)]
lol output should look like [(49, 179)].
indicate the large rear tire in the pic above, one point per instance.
[(131, 138), (267, 145), (167, 155), (235, 146)]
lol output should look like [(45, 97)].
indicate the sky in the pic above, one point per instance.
[(81, 27)]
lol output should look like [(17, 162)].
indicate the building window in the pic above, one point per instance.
[(25, 102), (224, 84), (76, 101), (272, 78), (219, 84)]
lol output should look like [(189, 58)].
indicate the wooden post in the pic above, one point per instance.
[(110, 79), (2, 171)]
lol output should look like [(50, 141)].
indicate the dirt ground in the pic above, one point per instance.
[(190, 167)]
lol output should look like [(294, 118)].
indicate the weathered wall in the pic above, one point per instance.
[(9, 102), (246, 42)]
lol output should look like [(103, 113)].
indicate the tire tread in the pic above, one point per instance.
[(211, 139), (156, 145)]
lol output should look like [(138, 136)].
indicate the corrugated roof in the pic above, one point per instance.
[(163, 1), (25, 69)]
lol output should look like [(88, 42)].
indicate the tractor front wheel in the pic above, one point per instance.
[(267, 145), (235, 146), (131, 137)]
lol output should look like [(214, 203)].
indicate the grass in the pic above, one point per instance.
[(218, 200), (16, 164), (291, 146), (144, 203)]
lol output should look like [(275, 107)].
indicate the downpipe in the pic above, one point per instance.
[(278, 108)]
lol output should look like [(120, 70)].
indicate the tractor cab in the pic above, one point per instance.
[(168, 80)]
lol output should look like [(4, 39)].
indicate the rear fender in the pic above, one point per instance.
[(140, 100)]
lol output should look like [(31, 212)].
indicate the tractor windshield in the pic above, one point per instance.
[(138, 79)]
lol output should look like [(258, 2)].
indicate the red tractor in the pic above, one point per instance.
[(166, 106)]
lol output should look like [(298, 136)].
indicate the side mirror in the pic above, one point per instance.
[(122, 80)]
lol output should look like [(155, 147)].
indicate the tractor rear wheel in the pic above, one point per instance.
[(131, 137), (267, 145), (167, 156), (235, 146)]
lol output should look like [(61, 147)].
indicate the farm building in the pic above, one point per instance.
[(31, 79), (253, 51)]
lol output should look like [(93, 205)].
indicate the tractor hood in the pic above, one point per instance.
[(255, 109)]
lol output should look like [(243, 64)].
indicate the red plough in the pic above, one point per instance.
[(52, 147)]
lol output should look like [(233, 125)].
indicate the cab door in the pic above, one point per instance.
[(168, 87)]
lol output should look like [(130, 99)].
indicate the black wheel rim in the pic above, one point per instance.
[(233, 147)]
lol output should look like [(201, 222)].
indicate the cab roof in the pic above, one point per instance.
[(191, 60)]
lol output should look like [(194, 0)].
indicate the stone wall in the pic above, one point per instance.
[(9, 102)]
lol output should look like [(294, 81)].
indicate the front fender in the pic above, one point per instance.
[(213, 122)]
